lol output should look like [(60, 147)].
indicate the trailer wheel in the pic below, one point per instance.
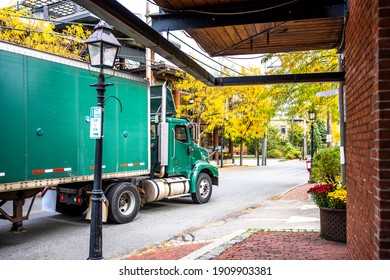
[(124, 202), (204, 189)]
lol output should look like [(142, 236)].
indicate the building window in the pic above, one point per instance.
[(283, 130)]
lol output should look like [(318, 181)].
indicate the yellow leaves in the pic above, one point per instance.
[(251, 112), (244, 112), (295, 100), (19, 27)]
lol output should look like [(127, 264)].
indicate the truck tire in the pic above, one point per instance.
[(204, 189), (124, 203)]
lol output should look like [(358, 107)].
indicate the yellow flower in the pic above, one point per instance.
[(338, 198)]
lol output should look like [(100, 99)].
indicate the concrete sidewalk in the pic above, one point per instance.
[(283, 228)]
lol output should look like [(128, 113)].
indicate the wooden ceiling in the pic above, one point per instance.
[(237, 27)]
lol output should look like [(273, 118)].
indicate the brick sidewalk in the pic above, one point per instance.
[(285, 246), (297, 193)]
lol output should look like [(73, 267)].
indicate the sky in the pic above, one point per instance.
[(139, 8)]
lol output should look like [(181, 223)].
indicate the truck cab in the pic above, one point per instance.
[(174, 153)]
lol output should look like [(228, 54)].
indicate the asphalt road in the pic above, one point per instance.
[(52, 236)]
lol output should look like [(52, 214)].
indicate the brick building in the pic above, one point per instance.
[(367, 63)]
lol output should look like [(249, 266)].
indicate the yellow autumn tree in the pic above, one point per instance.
[(295, 100), (19, 27), (202, 104), (250, 111), (243, 112)]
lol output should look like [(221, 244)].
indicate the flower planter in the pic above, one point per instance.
[(333, 224)]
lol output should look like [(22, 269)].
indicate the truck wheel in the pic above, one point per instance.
[(204, 188), (124, 203)]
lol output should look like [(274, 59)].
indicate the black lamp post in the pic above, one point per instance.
[(312, 117), (103, 48)]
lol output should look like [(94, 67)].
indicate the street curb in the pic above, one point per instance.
[(292, 188)]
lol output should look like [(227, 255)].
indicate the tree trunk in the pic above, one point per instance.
[(257, 152), (241, 142), (292, 133), (264, 151), (198, 131), (231, 150)]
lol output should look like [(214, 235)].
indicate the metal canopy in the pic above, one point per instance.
[(281, 79), (126, 22)]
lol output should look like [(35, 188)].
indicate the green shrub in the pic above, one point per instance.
[(288, 148), (290, 156), (274, 154), (326, 167), (297, 153), (290, 152)]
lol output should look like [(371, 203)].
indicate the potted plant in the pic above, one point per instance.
[(329, 194)]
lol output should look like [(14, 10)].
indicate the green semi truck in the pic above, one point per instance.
[(46, 147)]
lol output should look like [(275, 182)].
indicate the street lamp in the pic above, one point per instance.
[(312, 117), (103, 48)]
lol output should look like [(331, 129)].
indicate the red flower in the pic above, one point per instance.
[(321, 189)]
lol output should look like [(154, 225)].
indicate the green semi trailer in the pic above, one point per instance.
[(46, 108)]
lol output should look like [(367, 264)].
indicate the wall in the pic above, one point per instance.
[(367, 62)]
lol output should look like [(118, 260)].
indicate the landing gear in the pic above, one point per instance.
[(18, 199)]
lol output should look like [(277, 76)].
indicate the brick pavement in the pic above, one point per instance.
[(285, 246)]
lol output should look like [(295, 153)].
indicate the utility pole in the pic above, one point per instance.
[(304, 156), (148, 52), (329, 129)]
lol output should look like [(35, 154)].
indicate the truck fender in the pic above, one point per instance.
[(202, 167)]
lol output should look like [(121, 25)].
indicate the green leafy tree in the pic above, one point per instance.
[(275, 142)]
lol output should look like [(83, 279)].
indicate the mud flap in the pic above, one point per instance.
[(105, 204), (49, 200)]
